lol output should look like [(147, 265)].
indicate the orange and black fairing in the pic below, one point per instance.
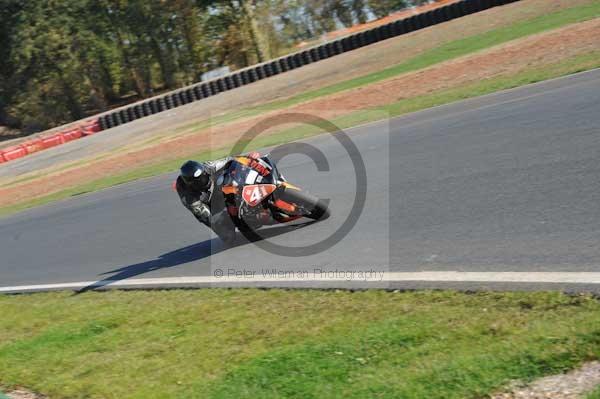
[(285, 206), (229, 190)]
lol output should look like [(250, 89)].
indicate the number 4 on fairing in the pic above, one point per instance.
[(254, 194)]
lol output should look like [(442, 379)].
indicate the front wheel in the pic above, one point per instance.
[(306, 204)]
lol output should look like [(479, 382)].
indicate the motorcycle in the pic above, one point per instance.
[(257, 195)]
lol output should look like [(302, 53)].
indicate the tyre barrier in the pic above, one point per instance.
[(104, 122), (454, 11), (118, 120), (198, 92), (123, 114), (244, 77), (191, 96), (137, 111), (217, 86), (411, 25), (221, 85), (275, 67), (302, 59), (283, 64), (183, 98), (360, 39), (266, 70), (178, 99), (214, 89), (146, 109), (175, 100), (111, 120), (253, 75), (401, 27), (228, 83), (161, 104), (204, 89), (237, 81), (295, 61), (258, 72), (314, 55), (323, 53), (130, 114), (168, 102)]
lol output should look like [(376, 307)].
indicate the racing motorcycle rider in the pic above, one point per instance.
[(198, 191)]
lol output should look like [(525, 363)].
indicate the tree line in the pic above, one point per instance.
[(61, 60)]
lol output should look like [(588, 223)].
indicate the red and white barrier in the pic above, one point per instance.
[(38, 144), (12, 153)]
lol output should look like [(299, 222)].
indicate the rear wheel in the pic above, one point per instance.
[(306, 204)]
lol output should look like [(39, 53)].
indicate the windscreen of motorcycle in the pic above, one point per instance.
[(245, 175)]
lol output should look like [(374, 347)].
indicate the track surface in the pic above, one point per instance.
[(503, 183)]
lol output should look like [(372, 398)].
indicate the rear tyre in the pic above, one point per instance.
[(310, 206)]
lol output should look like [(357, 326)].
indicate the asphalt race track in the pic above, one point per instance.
[(501, 191)]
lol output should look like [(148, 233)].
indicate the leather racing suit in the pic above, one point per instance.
[(208, 206)]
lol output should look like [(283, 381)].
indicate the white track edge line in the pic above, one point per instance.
[(376, 277)]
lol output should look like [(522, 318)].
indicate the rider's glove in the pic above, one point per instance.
[(201, 211)]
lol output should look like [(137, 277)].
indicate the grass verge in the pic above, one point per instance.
[(574, 65), (295, 344), (594, 395)]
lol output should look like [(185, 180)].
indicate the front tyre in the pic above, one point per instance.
[(306, 204)]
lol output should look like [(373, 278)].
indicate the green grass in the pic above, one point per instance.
[(297, 344), (594, 395), (443, 53)]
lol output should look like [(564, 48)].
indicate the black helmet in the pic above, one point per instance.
[(195, 175)]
